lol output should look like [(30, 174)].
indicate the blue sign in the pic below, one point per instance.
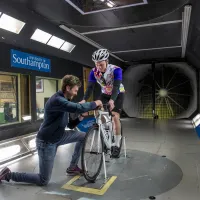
[(85, 124), (29, 61)]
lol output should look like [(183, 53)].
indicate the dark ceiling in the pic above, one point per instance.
[(143, 32)]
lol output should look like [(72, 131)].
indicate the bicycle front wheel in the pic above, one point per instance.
[(92, 154)]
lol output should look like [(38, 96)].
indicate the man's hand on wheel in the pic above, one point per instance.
[(112, 105)]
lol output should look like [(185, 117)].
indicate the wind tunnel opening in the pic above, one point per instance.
[(175, 91)]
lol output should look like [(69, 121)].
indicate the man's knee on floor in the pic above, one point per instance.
[(44, 181)]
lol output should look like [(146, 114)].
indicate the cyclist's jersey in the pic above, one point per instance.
[(106, 79)]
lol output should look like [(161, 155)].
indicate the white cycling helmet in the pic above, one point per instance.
[(100, 55)]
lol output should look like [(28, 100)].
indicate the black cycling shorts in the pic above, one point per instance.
[(118, 102)]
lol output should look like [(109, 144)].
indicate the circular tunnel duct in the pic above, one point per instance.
[(175, 91)]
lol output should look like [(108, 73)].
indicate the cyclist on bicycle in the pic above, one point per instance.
[(110, 79)]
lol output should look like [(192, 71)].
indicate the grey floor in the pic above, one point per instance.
[(175, 139)]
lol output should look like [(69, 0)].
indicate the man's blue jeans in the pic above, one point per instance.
[(46, 154)]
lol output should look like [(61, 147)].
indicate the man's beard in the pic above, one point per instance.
[(69, 97)]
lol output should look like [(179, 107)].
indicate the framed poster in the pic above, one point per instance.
[(39, 85), (6, 87)]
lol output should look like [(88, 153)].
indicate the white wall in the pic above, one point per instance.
[(49, 90), (59, 84)]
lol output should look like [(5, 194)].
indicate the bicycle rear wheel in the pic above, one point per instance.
[(92, 154)]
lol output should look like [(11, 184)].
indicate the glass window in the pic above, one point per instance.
[(86, 74), (25, 103), (45, 88), (9, 111)]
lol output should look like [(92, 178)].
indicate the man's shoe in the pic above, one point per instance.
[(3, 174), (74, 170), (115, 152)]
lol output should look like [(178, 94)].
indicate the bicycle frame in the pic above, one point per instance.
[(108, 118)]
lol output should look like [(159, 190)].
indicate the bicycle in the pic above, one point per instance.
[(101, 132)]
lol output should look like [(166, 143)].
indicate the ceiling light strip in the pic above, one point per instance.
[(76, 7), (11, 24), (84, 38), (185, 28), (52, 40), (41, 36), (149, 49), (130, 27), (68, 47), (55, 42)]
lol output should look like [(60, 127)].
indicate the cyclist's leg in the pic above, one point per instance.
[(117, 125), (116, 112)]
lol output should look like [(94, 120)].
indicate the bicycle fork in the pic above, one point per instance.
[(98, 140)]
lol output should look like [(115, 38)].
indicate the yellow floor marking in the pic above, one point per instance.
[(69, 186)]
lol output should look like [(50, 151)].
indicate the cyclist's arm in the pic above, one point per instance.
[(91, 84), (116, 84)]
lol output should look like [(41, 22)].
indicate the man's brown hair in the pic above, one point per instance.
[(71, 81)]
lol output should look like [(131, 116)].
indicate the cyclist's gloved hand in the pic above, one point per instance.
[(99, 104), (111, 104)]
